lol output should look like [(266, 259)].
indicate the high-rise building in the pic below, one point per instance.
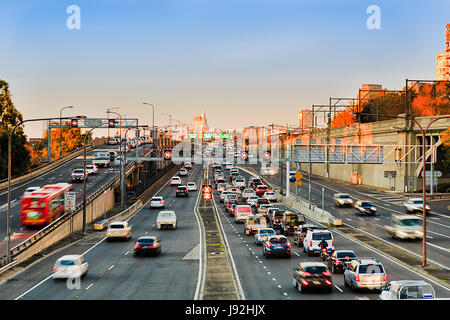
[(443, 59), (304, 118), (200, 125)]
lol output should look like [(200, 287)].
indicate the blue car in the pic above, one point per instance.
[(276, 245), (262, 234)]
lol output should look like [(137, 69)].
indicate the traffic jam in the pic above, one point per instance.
[(272, 231)]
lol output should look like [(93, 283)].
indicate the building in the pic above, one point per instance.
[(443, 59), (200, 125), (305, 119)]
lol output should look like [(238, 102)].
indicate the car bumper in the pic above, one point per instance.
[(278, 252)]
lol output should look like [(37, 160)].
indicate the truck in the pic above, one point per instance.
[(254, 223), (102, 159), (291, 221), (405, 227)]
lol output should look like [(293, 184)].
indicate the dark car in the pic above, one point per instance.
[(340, 259), (276, 245), (275, 219), (260, 202), (229, 203), (254, 183), (312, 275), (182, 191), (300, 233), (147, 245)]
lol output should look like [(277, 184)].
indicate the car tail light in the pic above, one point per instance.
[(328, 282), (306, 274), (385, 277), (310, 243), (332, 243), (338, 261), (137, 246), (56, 269), (357, 278), (305, 283), (324, 249), (326, 273), (288, 244)]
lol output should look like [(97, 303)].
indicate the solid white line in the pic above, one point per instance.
[(111, 267), (89, 286), (338, 288)]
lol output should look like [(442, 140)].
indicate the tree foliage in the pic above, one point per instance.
[(431, 100)]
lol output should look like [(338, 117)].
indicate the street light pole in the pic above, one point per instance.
[(121, 155), (153, 119), (60, 129)]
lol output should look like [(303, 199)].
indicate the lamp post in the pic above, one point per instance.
[(120, 151), (107, 111), (424, 194), (8, 213), (153, 119), (85, 176), (60, 129)]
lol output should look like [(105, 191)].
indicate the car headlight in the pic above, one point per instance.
[(401, 233)]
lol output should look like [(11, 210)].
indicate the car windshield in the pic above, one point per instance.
[(270, 193), (182, 188), (417, 202), (321, 236), (117, 226), (78, 171), (67, 263), (345, 254), (366, 204), (165, 215), (253, 198), (157, 199), (410, 222), (279, 213), (316, 269), (278, 240), (370, 268), (344, 196), (145, 241), (266, 231)]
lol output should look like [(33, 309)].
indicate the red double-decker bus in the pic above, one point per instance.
[(43, 206)]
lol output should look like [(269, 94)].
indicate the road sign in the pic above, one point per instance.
[(225, 136), (70, 198), (193, 135), (298, 175), (267, 155), (167, 155), (207, 189), (207, 135), (244, 155), (298, 182), (437, 174)]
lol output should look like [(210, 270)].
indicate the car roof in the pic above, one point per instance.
[(311, 264), (147, 237), (278, 236), (70, 257), (409, 282)]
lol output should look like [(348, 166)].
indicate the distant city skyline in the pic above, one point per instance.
[(243, 62)]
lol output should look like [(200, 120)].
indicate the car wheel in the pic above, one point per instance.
[(300, 288)]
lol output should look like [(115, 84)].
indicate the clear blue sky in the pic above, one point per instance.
[(243, 62)]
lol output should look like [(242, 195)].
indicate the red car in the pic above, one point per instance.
[(261, 189)]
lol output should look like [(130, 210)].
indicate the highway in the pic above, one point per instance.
[(59, 174), (438, 221), (271, 279), (114, 273)]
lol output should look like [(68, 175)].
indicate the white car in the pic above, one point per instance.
[(183, 172), (342, 200), (247, 193), (70, 266), (413, 205), (157, 202), (252, 200), (119, 229), (270, 195), (176, 181), (91, 169), (314, 237), (31, 189), (188, 165), (191, 186), (166, 219)]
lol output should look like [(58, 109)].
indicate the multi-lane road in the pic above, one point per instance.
[(115, 274), (438, 221)]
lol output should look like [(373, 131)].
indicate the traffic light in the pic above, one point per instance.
[(206, 190), (111, 123), (74, 123)]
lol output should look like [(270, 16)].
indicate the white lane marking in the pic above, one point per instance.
[(279, 286), (297, 254), (274, 279), (439, 234), (269, 273), (338, 288), (89, 286), (111, 267), (285, 293), (127, 252), (437, 247)]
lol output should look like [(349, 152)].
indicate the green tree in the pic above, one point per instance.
[(9, 118)]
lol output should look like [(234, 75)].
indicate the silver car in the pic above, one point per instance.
[(365, 273)]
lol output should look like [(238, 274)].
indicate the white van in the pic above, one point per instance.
[(241, 213)]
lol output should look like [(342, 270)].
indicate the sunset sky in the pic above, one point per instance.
[(243, 62)]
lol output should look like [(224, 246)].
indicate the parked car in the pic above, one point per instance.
[(157, 202), (367, 273), (312, 275), (276, 245), (147, 245), (166, 219), (119, 229), (70, 266)]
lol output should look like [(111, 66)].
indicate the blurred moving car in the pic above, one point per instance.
[(365, 207), (413, 205), (78, 175), (70, 266), (119, 229), (367, 273), (405, 227), (166, 219), (182, 172), (342, 200), (262, 234), (157, 202), (147, 245), (408, 289), (31, 189), (312, 275), (91, 169), (276, 245)]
